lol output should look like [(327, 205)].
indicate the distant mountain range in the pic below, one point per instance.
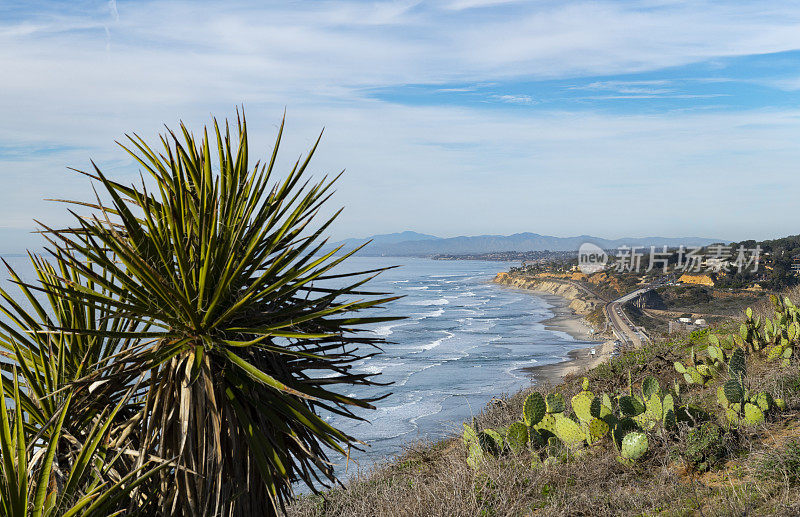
[(409, 244)]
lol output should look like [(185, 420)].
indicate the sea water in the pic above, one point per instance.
[(464, 341)]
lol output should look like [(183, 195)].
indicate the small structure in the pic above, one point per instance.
[(700, 322), (699, 279), (688, 321)]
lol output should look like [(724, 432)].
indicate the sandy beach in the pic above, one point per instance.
[(580, 359)]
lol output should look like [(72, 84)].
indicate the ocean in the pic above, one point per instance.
[(464, 341)]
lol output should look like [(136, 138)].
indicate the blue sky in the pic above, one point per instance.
[(451, 117)]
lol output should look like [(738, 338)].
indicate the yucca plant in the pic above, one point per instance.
[(51, 361), (219, 272), (34, 483)]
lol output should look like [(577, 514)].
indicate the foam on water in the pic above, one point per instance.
[(434, 344), (465, 340), (437, 301)]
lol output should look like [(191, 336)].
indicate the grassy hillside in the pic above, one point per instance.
[(704, 466)]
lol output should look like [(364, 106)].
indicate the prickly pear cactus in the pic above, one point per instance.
[(620, 428), (631, 406), (743, 407), (650, 387), (777, 337), (555, 403), (753, 414), (582, 403), (599, 408), (469, 436), (634, 445), (546, 425), (596, 430), (517, 437), (737, 367), (534, 409), (695, 373), (569, 432), (490, 441)]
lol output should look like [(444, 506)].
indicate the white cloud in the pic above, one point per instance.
[(65, 84), (515, 99)]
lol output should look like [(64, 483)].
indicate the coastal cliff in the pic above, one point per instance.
[(579, 301)]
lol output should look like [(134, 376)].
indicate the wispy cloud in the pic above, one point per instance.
[(68, 83), (514, 99)]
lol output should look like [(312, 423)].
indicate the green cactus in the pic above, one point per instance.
[(491, 442), (469, 436), (517, 437), (631, 406), (600, 408), (775, 336), (582, 403), (753, 414), (535, 438), (546, 425), (569, 432), (534, 409), (696, 373), (475, 456), (555, 403), (650, 387), (634, 445), (741, 405), (620, 428), (596, 430)]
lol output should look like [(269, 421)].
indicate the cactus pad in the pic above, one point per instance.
[(764, 401), (669, 420), (596, 430), (555, 403), (634, 445), (470, 436), (631, 406), (650, 387), (569, 432), (654, 408), (775, 352), (599, 409), (721, 398), (535, 437), (582, 405), (546, 424), (620, 429), (753, 414), (736, 366), (475, 456), (517, 436), (733, 391), (534, 409), (490, 441), (679, 367)]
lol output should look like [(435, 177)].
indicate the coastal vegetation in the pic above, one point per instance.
[(181, 338), (725, 446)]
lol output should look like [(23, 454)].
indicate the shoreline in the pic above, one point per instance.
[(578, 360)]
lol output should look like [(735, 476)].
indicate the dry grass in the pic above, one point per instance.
[(433, 479)]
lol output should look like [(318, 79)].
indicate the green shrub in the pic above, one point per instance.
[(706, 447)]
